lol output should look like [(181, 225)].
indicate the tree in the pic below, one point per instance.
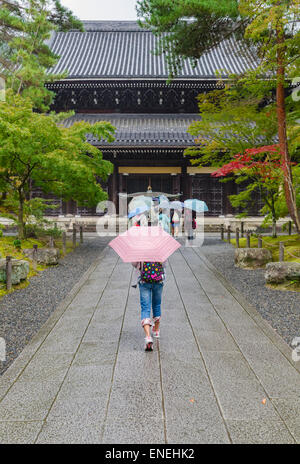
[(232, 120), (57, 159), (274, 28), (262, 166), (25, 27), (270, 25)]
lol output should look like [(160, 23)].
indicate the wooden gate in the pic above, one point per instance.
[(210, 190)]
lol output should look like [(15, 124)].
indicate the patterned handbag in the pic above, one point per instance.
[(152, 272)]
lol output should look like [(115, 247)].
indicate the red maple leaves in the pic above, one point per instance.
[(267, 166)]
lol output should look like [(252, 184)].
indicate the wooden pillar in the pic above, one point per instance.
[(115, 187), (229, 189), (121, 184), (8, 273), (259, 242), (71, 207), (186, 187), (175, 184), (281, 251), (110, 188), (237, 237)]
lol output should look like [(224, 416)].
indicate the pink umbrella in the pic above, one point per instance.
[(144, 244)]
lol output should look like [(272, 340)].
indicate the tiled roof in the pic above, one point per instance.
[(122, 50), (142, 129)]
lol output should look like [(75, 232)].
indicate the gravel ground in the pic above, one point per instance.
[(23, 312), (281, 309)]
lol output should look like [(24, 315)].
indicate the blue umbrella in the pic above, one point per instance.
[(164, 204), (196, 205), (140, 202), (176, 205), (137, 211)]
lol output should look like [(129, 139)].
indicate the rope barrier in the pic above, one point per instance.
[(276, 246), (291, 254)]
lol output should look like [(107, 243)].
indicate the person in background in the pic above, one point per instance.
[(171, 222), (176, 223), (194, 223), (188, 223), (164, 221)]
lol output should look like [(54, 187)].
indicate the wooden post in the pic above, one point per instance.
[(259, 242), (290, 227), (74, 235), (281, 251), (64, 243), (237, 237), (242, 229), (34, 257), (248, 239), (8, 272), (222, 231), (51, 242), (228, 234), (81, 234)]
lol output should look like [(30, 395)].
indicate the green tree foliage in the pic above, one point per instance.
[(57, 159), (274, 29), (25, 27), (232, 120)]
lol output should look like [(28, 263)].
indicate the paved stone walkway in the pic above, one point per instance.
[(85, 378)]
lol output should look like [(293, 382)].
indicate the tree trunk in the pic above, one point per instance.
[(274, 232), (289, 190), (21, 216)]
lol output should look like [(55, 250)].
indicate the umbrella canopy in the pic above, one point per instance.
[(196, 205), (138, 210), (139, 202), (144, 244), (176, 205), (164, 204)]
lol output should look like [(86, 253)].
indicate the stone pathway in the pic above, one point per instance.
[(84, 378)]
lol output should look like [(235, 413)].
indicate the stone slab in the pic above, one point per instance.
[(19, 433), (289, 410), (265, 432)]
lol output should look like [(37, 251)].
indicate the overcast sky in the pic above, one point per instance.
[(102, 9)]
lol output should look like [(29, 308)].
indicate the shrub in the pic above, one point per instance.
[(17, 244), (38, 231)]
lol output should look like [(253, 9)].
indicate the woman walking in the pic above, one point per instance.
[(150, 279)]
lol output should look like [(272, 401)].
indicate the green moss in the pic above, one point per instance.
[(291, 245), (8, 249), (285, 286)]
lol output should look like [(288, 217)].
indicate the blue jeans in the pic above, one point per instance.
[(150, 295)]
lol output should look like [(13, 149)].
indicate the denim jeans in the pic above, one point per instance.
[(150, 295)]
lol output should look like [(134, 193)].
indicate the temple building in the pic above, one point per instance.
[(113, 75)]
